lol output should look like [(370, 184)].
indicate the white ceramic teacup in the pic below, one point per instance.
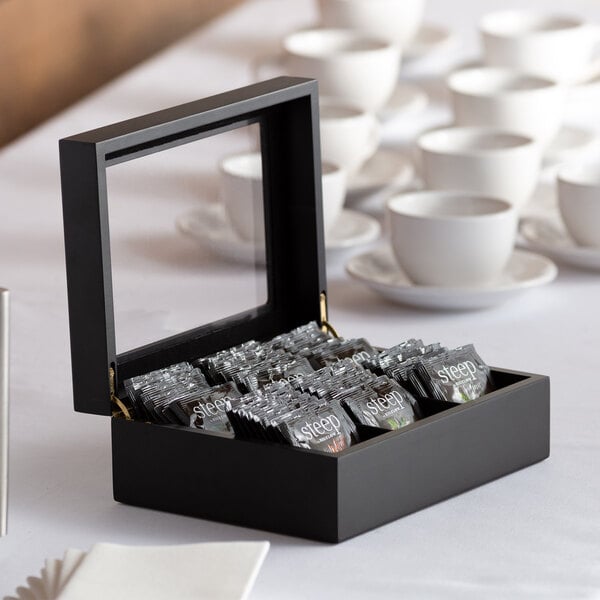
[(241, 191), (349, 136), (451, 238), (396, 20), (481, 160), (350, 66), (334, 193), (509, 100), (556, 46), (579, 202)]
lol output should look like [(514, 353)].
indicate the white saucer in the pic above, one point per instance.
[(406, 99), (352, 229), (568, 144), (386, 168), (209, 227), (430, 38), (550, 237), (379, 271)]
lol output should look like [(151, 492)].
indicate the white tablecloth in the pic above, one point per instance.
[(533, 534)]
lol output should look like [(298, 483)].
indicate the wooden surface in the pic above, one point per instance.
[(52, 53)]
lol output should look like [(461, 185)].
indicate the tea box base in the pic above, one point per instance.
[(330, 497)]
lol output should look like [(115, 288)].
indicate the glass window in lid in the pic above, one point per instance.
[(187, 235)]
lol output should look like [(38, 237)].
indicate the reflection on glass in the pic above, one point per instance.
[(187, 236), (241, 193)]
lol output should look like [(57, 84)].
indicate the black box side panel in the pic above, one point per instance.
[(456, 451), (258, 485)]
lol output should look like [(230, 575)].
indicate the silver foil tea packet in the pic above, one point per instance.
[(383, 404), (207, 409), (458, 375), (326, 430), (357, 350), (395, 355)]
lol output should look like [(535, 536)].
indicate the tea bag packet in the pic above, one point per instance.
[(134, 385), (272, 414), (217, 366), (349, 384), (206, 409), (273, 417), (137, 387), (358, 350), (157, 397), (237, 367), (302, 339), (240, 411), (383, 404), (325, 429), (405, 372), (262, 373), (324, 382), (251, 413), (458, 375), (395, 355)]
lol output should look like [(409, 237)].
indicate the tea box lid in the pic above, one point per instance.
[(286, 110)]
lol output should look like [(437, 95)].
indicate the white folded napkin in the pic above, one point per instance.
[(70, 564), (215, 571), (219, 571)]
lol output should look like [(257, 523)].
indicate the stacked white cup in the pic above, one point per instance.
[(349, 127), (357, 73), (495, 170), (503, 121), (355, 55), (395, 20), (556, 47), (557, 52), (351, 66), (460, 231), (481, 160), (510, 109), (393, 23), (530, 60), (508, 99)]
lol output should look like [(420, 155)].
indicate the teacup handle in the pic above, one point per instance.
[(268, 66)]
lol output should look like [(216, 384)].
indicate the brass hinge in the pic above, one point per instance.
[(123, 410), (326, 326)]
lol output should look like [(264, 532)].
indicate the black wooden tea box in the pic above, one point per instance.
[(328, 497)]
